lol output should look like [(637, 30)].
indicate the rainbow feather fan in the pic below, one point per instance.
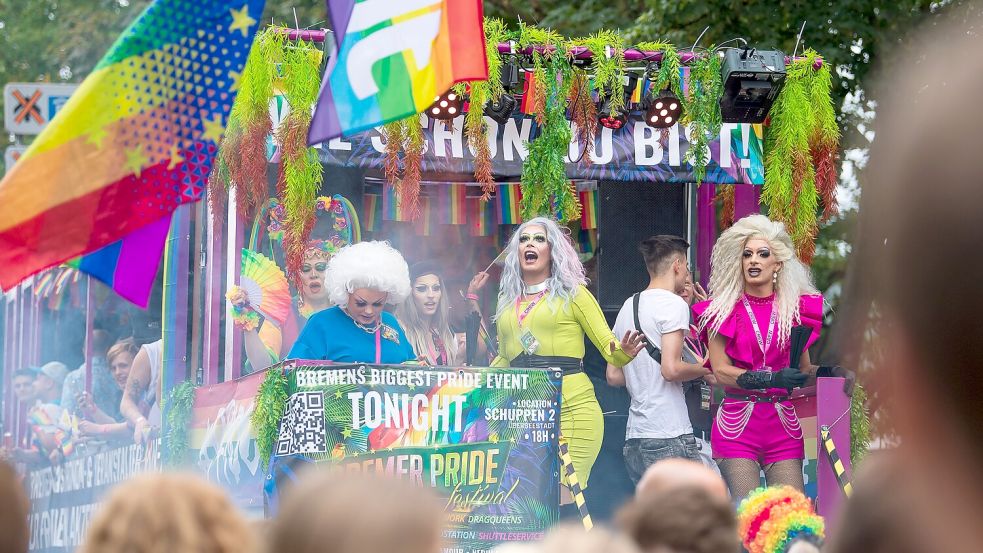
[(265, 286)]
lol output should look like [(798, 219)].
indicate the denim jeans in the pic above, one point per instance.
[(641, 453)]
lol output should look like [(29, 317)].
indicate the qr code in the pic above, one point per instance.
[(302, 429)]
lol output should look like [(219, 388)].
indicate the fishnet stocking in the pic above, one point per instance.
[(787, 472), (742, 476)]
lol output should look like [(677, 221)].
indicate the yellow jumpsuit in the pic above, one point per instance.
[(560, 331)]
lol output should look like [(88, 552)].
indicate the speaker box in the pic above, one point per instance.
[(629, 212)]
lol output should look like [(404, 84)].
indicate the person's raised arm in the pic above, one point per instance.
[(136, 386), (615, 376)]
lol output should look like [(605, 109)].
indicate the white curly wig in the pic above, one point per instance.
[(727, 273), (566, 270), (375, 265)]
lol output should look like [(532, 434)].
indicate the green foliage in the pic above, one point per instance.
[(859, 425), (609, 72), (545, 188), (668, 75), (702, 111), (271, 402), (177, 408)]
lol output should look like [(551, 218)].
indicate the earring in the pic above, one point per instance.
[(774, 277)]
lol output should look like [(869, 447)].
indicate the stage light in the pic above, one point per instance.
[(446, 106), (612, 119), (664, 110), (752, 81), (501, 110)]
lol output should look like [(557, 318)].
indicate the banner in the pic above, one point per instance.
[(485, 439), (636, 152), (222, 441), (64, 497)]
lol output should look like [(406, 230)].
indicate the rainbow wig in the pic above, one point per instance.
[(771, 518)]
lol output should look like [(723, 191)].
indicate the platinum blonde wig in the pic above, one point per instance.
[(727, 274), (566, 270), (374, 265), (418, 332)]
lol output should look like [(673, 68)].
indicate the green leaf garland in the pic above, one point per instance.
[(609, 72), (481, 92), (178, 407), (702, 111), (271, 402), (668, 74)]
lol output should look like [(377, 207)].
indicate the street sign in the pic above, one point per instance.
[(11, 155), (28, 107)]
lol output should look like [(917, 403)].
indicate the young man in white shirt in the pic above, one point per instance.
[(658, 421)]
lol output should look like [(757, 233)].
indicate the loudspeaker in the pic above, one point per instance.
[(629, 212)]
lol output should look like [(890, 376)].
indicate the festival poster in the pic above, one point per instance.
[(636, 152), (484, 438)]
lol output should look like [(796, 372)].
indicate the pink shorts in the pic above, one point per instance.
[(765, 432)]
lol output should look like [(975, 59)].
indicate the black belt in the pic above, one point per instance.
[(757, 399), (569, 365)]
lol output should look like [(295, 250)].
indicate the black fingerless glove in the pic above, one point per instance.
[(787, 378)]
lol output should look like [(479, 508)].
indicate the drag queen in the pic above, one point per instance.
[(759, 290), (425, 317), (361, 279), (544, 310)]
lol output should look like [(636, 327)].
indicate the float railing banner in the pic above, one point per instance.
[(64, 497), (484, 438), (636, 152)]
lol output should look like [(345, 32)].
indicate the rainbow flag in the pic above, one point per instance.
[(588, 209), (392, 206), (423, 222), (451, 204), (394, 59), (528, 104), (587, 239), (508, 197), (135, 141), (372, 208), (482, 221)]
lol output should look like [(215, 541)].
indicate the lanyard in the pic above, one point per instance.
[(378, 345), (525, 312), (438, 353), (694, 343), (766, 343)]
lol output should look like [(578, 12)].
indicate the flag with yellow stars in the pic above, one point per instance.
[(135, 141)]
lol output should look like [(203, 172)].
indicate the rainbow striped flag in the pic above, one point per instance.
[(509, 196), (134, 142), (423, 223), (528, 104), (394, 59), (393, 208), (372, 208), (451, 204), (483, 215), (588, 209)]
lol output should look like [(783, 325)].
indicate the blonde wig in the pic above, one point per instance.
[(419, 332), (727, 274)]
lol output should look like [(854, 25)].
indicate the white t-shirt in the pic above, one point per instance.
[(658, 407)]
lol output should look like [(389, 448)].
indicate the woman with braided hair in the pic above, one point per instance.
[(759, 291)]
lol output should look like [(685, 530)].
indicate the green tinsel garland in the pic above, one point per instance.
[(177, 407), (481, 93), (271, 402), (790, 178), (609, 72), (668, 74), (702, 111)]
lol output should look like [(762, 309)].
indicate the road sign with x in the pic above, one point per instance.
[(29, 107)]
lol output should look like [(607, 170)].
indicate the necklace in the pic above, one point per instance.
[(368, 329), (534, 288)]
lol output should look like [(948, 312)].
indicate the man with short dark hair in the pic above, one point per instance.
[(23, 384), (658, 421)]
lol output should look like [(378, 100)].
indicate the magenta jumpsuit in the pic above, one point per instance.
[(767, 432)]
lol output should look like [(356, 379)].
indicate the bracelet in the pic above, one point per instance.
[(472, 297)]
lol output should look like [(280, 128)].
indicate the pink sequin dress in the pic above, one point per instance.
[(767, 432)]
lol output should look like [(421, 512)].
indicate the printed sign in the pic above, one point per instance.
[(64, 497), (483, 438), (636, 152), (11, 155), (28, 107)]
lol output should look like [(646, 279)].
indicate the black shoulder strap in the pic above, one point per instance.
[(651, 348)]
